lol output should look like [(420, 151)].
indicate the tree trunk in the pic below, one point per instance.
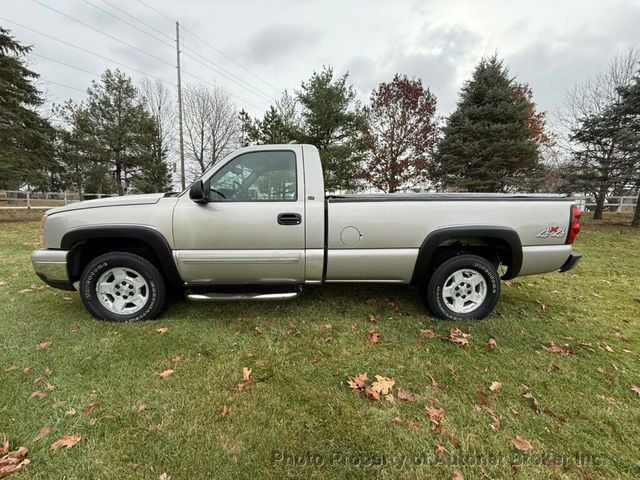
[(597, 214), (636, 216), (119, 179)]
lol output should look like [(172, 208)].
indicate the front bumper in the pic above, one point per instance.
[(571, 262), (51, 267)]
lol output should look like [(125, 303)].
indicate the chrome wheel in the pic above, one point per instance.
[(464, 290), (122, 290)]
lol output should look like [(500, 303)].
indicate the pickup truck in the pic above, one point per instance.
[(258, 226)]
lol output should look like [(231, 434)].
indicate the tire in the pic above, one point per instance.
[(122, 287), (465, 287)]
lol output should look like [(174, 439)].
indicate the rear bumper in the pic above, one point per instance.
[(51, 267), (571, 262)]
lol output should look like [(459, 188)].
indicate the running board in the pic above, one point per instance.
[(248, 296)]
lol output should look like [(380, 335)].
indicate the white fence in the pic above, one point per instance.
[(618, 204), (26, 199)]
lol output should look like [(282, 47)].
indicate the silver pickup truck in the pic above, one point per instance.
[(259, 226)]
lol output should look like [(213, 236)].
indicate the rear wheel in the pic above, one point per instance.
[(122, 287), (465, 287)]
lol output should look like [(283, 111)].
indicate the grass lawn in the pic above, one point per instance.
[(298, 418)]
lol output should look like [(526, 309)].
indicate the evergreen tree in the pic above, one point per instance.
[(488, 144), (280, 124), (26, 139), (334, 123), (629, 112), (115, 130)]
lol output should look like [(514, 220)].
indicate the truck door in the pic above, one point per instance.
[(252, 229)]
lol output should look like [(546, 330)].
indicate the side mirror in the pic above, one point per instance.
[(199, 192)]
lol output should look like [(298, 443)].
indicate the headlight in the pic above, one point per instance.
[(43, 222)]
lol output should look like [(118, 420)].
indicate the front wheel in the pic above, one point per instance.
[(466, 287), (122, 287)]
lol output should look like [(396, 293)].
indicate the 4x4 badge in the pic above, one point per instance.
[(555, 231)]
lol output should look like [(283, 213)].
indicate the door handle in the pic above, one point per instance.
[(289, 219)]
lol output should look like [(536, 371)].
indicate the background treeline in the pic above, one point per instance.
[(122, 137)]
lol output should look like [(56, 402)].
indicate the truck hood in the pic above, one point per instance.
[(146, 199)]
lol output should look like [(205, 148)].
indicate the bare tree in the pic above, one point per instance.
[(597, 164), (211, 126)]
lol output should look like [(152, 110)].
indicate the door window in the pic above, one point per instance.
[(266, 176)]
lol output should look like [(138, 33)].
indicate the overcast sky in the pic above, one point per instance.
[(549, 44)]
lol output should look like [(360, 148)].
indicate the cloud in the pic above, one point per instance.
[(277, 42)]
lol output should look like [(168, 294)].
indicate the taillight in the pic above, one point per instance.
[(574, 224)]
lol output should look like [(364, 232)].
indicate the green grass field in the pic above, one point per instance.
[(298, 418)]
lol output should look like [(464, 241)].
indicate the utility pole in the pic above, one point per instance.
[(181, 135)]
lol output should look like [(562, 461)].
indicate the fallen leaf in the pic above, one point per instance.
[(415, 424), (608, 348), (358, 382), (522, 444), (70, 413), (164, 476), (636, 390), (426, 332), (92, 421), (534, 402), (226, 411), (457, 475), (435, 385), (406, 395), (67, 442), (373, 337), (44, 345), (12, 367), (328, 326), (90, 407), (435, 416), (383, 385), (44, 431), (552, 367), (393, 306), (492, 344), (495, 386), (11, 462), (441, 450), (554, 347), (143, 408), (246, 375), (483, 397), (397, 421), (38, 394), (26, 372), (371, 393), (167, 373), (134, 466), (51, 387), (458, 337), (162, 330), (373, 318)]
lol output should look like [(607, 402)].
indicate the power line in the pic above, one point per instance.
[(223, 73), (229, 93), (151, 27), (89, 52), (229, 76), (65, 86), (64, 64), (164, 42), (257, 92), (103, 33), (231, 59), (157, 11)]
